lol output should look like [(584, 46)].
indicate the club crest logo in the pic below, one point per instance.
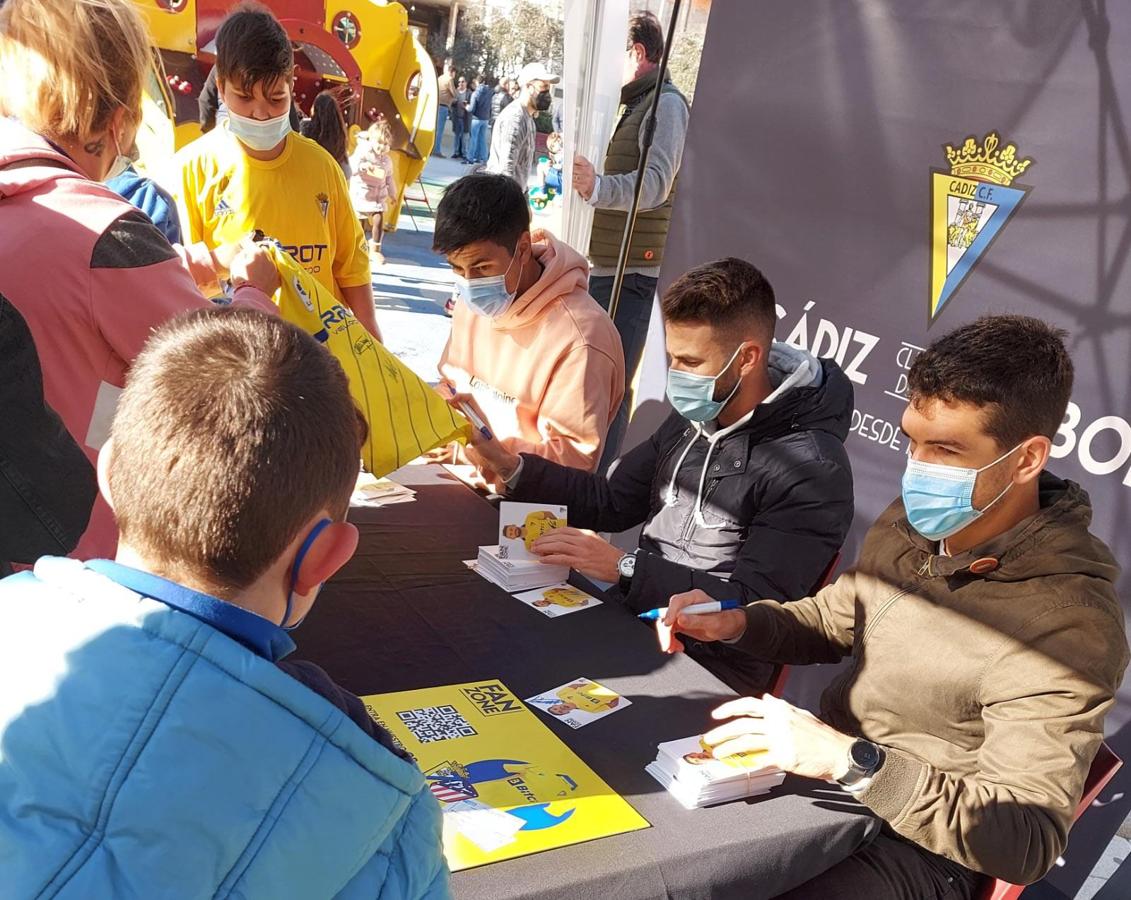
[(323, 204), (971, 202), (303, 295), (524, 789)]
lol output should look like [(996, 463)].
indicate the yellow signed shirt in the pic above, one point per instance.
[(300, 199)]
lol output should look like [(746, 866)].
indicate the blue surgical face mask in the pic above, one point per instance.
[(693, 396), (259, 134), (486, 296), (299, 557), (939, 500)]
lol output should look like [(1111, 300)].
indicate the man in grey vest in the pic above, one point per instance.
[(611, 194)]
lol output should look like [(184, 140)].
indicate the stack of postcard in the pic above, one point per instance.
[(371, 491), (516, 574), (695, 778), (512, 564)]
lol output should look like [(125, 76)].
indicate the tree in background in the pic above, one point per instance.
[(532, 32), (500, 45), (683, 62), (473, 50)]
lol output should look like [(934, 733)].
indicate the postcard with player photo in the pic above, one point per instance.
[(521, 524), (558, 600), (579, 702)]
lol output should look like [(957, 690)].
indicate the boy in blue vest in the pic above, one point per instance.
[(153, 740)]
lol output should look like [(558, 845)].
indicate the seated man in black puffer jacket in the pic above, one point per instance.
[(745, 492)]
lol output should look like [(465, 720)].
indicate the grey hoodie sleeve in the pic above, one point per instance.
[(615, 191), (790, 542)]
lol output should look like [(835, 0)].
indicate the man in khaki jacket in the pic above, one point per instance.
[(984, 630)]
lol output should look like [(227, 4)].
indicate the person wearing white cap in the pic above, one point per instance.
[(512, 143)]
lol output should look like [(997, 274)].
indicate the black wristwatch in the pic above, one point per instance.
[(864, 760), (626, 567)]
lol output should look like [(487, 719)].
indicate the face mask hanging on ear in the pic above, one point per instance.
[(299, 557), (120, 164)]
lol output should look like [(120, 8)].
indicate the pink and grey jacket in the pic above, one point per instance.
[(92, 276)]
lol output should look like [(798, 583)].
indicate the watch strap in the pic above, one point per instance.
[(624, 582), (857, 773)]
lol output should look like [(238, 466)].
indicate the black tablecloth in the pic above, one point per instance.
[(406, 613)]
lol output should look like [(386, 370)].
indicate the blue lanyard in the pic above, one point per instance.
[(256, 633)]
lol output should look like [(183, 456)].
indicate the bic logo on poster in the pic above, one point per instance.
[(970, 205)]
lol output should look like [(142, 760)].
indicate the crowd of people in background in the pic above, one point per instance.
[(473, 104)]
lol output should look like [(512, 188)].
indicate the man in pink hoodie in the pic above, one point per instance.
[(542, 360)]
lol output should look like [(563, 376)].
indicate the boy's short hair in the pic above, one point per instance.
[(253, 48), (727, 293), (481, 207), (1015, 367), (234, 430)]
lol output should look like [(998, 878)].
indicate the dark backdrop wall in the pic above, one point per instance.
[(817, 150)]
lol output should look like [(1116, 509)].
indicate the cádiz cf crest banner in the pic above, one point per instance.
[(970, 204), (898, 168)]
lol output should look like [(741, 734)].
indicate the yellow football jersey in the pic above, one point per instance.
[(300, 199), (590, 699), (568, 597), (538, 524)]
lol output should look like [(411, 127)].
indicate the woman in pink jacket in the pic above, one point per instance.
[(372, 188), (90, 273)]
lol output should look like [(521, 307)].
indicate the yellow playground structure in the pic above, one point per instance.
[(363, 50)]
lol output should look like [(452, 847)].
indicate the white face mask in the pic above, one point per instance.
[(119, 165), (259, 134)]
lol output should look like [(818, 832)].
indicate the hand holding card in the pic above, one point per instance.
[(521, 524)]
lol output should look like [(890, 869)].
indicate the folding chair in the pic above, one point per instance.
[(780, 676), (1104, 767)]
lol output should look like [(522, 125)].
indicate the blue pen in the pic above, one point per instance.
[(695, 609), (470, 413)]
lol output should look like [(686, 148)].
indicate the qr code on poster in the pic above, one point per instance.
[(436, 723)]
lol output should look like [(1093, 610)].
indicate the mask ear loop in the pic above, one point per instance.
[(302, 551), (514, 259), (700, 519)]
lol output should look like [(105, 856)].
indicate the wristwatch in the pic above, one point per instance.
[(864, 760), (626, 567)]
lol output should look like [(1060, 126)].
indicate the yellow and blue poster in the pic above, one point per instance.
[(508, 787), (970, 205)]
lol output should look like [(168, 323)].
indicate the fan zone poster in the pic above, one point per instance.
[(508, 787)]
